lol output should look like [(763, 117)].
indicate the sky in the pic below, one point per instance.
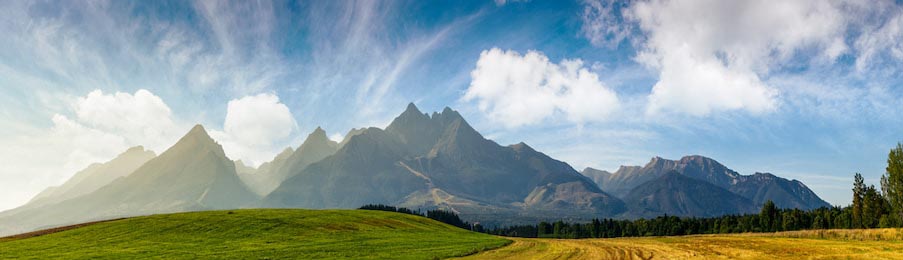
[(809, 90)]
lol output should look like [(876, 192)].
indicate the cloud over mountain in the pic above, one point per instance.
[(518, 90), (255, 128)]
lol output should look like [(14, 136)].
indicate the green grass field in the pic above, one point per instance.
[(325, 234), (258, 234)]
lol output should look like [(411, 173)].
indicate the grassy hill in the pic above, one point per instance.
[(259, 234), (816, 244)]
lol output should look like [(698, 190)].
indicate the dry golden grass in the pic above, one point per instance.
[(824, 244)]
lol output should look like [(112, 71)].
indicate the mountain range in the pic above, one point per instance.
[(420, 161), (630, 182)]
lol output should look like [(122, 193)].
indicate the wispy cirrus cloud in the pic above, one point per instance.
[(364, 49)]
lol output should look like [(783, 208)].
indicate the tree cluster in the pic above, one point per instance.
[(443, 216)]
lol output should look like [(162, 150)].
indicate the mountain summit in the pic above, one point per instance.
[(440, 161)]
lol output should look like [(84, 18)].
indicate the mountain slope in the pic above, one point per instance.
[(679, 195), (95, 176), (758, 187), (597, 176), (438, 160), (194, 174), (363, 171), (258, 234), (263, 180)]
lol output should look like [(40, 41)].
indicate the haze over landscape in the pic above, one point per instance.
[(490, 129)]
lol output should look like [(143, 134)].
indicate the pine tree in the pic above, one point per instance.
[(858, 193)]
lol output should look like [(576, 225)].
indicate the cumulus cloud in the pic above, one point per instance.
[(106, 124), (518, 90), (142, 118), (256, 128), (711, 54)]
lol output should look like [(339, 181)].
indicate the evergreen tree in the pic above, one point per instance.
[(768, 216), (858, 194)]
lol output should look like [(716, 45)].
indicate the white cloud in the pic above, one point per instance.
[(713, 55), (697, 87), (518, 90), (337, 137), (256, 128), (142, 118)]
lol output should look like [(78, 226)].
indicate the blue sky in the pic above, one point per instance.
[(809, 90)]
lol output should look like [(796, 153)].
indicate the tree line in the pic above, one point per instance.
[(443, 216), (872, 208)]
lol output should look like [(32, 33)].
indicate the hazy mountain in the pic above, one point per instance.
[(194, 174), (288, 163), (263, 180), (95, 176), (438, 160), (597, 176), (352, 132), (679, 195), (758, 188)]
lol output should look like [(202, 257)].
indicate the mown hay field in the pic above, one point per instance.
[(817, 244)]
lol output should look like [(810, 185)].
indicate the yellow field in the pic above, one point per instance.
[(824, 244)]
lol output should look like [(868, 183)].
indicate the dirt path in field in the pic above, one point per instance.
[(696, 247)]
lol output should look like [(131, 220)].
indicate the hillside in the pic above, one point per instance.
[(258, 234), (678, 195)]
